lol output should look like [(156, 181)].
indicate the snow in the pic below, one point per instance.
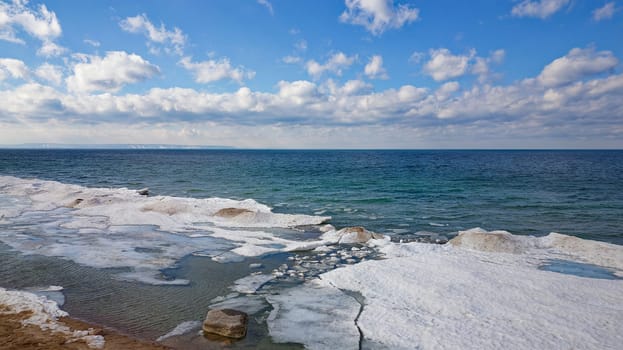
[(117, 228), (479, 292), (44, 314)]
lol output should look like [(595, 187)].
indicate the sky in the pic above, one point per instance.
[(313, 74)]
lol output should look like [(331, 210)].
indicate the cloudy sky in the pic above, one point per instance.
[(313, 74)]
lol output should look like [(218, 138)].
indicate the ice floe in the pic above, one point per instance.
[(317, 315), (180, 329)]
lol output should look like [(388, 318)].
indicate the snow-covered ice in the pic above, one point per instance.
[(488, 294)]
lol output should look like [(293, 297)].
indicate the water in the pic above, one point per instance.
[(401, 193), (526, 192)]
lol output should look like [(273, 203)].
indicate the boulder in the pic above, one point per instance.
[(357, 234), (231, 212), (226, 322)]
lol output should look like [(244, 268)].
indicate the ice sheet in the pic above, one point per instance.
[(482, 295), (118, 228), (315, 314)]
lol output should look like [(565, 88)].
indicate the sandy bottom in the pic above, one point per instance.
[(15, 336)]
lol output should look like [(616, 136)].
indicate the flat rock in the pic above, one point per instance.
[(226, 322)]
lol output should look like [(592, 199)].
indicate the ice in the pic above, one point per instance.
[(486, 290), (181, 329), (44, 314), (251, 283), (251, 304), (118, 228), (54, 293), (598, 253), (315, 314)]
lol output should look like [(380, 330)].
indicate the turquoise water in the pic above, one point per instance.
[(395, 192)]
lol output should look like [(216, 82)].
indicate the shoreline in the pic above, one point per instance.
[(29, 322)]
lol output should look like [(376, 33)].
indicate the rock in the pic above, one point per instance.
[(357, 234), (226, 322), (231, 212), (143, 191), (75, 202)]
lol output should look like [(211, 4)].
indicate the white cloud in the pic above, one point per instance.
[(172, 40), (39, 23), (268, 5), (109, 73), (50, 73), (443, 65), (576, 65), (539, 8), (584, 112), (213, 70), (291, 59), (604, 12), (378, 16), (374, 69), (335, 64), (12, 68), (93, 43), (50, 49), (447, 89)]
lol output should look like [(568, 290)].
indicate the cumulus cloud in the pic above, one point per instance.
[(378, 16), (12, 68), (50, 73), (214, 70), (374, 69), (172, 41), (335, 64), (268, 5), (39, 23), (604, 12), (109, 73), (539, 8), (577, 65), (584, 112), (443, 65), (50, 49)]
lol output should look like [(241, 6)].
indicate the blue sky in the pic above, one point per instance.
[(313, 74)]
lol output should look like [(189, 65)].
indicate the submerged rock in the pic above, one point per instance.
[(226, 322), (231, 212)]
